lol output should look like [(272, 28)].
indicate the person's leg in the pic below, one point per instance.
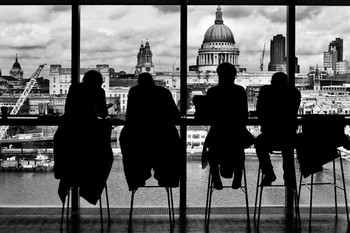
[(238, 169), (289, 166), (214, 169), (263, 153)]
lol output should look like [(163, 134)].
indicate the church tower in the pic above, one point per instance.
[(144, 59), (218, 46), (16, 70)]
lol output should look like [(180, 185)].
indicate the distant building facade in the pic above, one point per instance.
[(60, 78), (144, 59), (278, 61), (16, 70), (218, 46), (333, 55)]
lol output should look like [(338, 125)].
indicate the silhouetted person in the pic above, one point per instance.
[(82, 149), (149, 139), (226, 140), (277, 110)]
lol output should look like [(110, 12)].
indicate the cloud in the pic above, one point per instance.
[(237, 12), (24, 36), (168, 9), (59, 9), (274, 14), (310, 12)]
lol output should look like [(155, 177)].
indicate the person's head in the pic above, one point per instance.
[(145, 79), (226, 72), (93, 78), (279, 79)]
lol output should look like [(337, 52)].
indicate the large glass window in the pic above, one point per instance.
[(241, 35), (122, 42), (35, 43), (322, 40)]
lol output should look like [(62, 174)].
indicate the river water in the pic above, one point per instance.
[(40, 188)]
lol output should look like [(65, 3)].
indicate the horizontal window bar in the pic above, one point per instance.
[(177, 2)]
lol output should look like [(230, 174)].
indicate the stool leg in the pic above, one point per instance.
[(131, 207), (298, 199), (335, 190), (210, 190), (311, 194), (207, 200), (68, 204), (256, 194), (101, 217), (259, 209), (246, 197), (108, 212), (62, 214), (172, 204), (169, 208), (344, 188)]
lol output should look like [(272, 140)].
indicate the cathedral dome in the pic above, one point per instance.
[(16, 65), (219, 32)]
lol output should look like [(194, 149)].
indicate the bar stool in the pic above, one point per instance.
[(68, 197), (334, 184), (170, 204), (210, 191), (259, 193)]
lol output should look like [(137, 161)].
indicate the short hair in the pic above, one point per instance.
[(226, 71), (93, 78), (279, 79), (145, 79)]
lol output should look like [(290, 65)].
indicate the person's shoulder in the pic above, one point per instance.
[(265, 88), (238, 87)]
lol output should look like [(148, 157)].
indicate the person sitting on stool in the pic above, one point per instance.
[(228, 135), (277, 110)]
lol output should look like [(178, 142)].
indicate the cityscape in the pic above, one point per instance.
[(37, 46), (325, 87)]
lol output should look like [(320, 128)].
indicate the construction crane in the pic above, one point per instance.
[(175, 63), (262, 59), (23, 97)]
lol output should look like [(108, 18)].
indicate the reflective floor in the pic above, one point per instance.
[(273, 219)]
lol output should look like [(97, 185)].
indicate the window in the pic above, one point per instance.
[(50, 29)]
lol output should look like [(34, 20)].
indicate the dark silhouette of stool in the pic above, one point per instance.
[(334, 184), (259, 193), (210, 191), (170, 204), (68, 195)]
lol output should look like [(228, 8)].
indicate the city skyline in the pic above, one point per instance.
[(42, 34)]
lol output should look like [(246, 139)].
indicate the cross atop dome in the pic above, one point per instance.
[(218, 19)]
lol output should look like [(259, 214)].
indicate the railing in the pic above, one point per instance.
[(35, 120)]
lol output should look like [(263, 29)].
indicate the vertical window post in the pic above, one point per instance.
[(183, 104), (75, 71), (290, 71)]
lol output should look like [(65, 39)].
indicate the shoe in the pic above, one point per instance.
[(236, 183), (217, 183), (268, 179)]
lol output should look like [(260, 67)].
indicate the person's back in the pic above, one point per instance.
[(228, 114), (149, 139), (82, 141), (228, 106), (277, 110)]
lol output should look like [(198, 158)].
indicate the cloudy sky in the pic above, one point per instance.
[(113, 34)]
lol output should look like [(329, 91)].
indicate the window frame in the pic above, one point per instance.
[(75, 48)]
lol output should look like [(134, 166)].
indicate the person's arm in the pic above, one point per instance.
[(102, 111)]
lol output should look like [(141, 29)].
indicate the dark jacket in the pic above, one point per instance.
[(149, 139), (227, 114), (82, 151), (277, 110)]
